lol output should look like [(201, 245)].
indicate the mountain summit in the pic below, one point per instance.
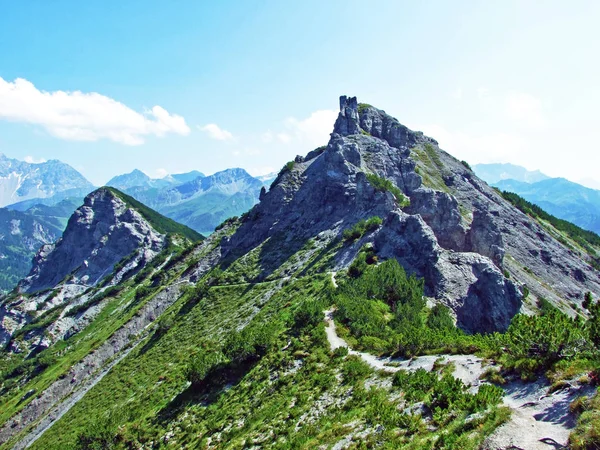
[(20, 180), (368, 170)]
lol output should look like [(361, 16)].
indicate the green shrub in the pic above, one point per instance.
[(103, 434), (361, 227), (362, 107), (203, 365), (251, 343), (340, 352), (309, 314), (355, 369), (439, 318), (385, 185)]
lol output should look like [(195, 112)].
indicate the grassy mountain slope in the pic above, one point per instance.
[(223, 342)]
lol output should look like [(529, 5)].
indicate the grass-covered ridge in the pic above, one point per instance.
[(589, 240), (243, 361), (160, 223)]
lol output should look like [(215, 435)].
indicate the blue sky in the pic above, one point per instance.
[(168, 87)]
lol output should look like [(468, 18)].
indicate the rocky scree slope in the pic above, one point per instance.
[(109, 237)]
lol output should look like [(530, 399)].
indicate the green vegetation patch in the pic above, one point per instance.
[(361, 227), (385, 185)]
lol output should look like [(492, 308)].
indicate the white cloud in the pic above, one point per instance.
[(267, 137), (284, 138), (313, 130), (161, 172), (80, 116), (259, 171), (476, 148), (216, 133), (247, 151), (483, 93), (457, 94), (525, 109), (31, 160)]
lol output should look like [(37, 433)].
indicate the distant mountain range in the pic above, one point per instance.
[(22, 233), (493, 173), (193, 199), (560, 197), (36, 201), (20, 180)]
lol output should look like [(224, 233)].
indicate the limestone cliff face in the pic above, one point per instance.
[(101, 233), (329, 190), (458, 234)]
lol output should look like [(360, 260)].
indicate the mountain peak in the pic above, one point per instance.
[(368, 169), (347, 122), (106, 228), (22, 181)]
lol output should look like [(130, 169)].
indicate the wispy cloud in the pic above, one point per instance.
[(525, 109), (217, 133), (476, 147), (31, 160), (314, 129), (260, 171), (80, 116), (457, 94), (161, 172)]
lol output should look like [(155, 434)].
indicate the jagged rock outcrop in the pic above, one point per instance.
[(99, 234), (331, 191), (104, 231)]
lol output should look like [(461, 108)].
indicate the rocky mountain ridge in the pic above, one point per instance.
[(235, 323), (461, 265), (107, 238)]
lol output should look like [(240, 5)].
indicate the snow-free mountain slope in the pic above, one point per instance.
[(20, 180)]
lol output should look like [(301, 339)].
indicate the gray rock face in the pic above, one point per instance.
[(99, 234), (533, 254), (330, 191)]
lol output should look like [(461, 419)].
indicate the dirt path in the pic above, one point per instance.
[(539, 420), (467, 367)]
